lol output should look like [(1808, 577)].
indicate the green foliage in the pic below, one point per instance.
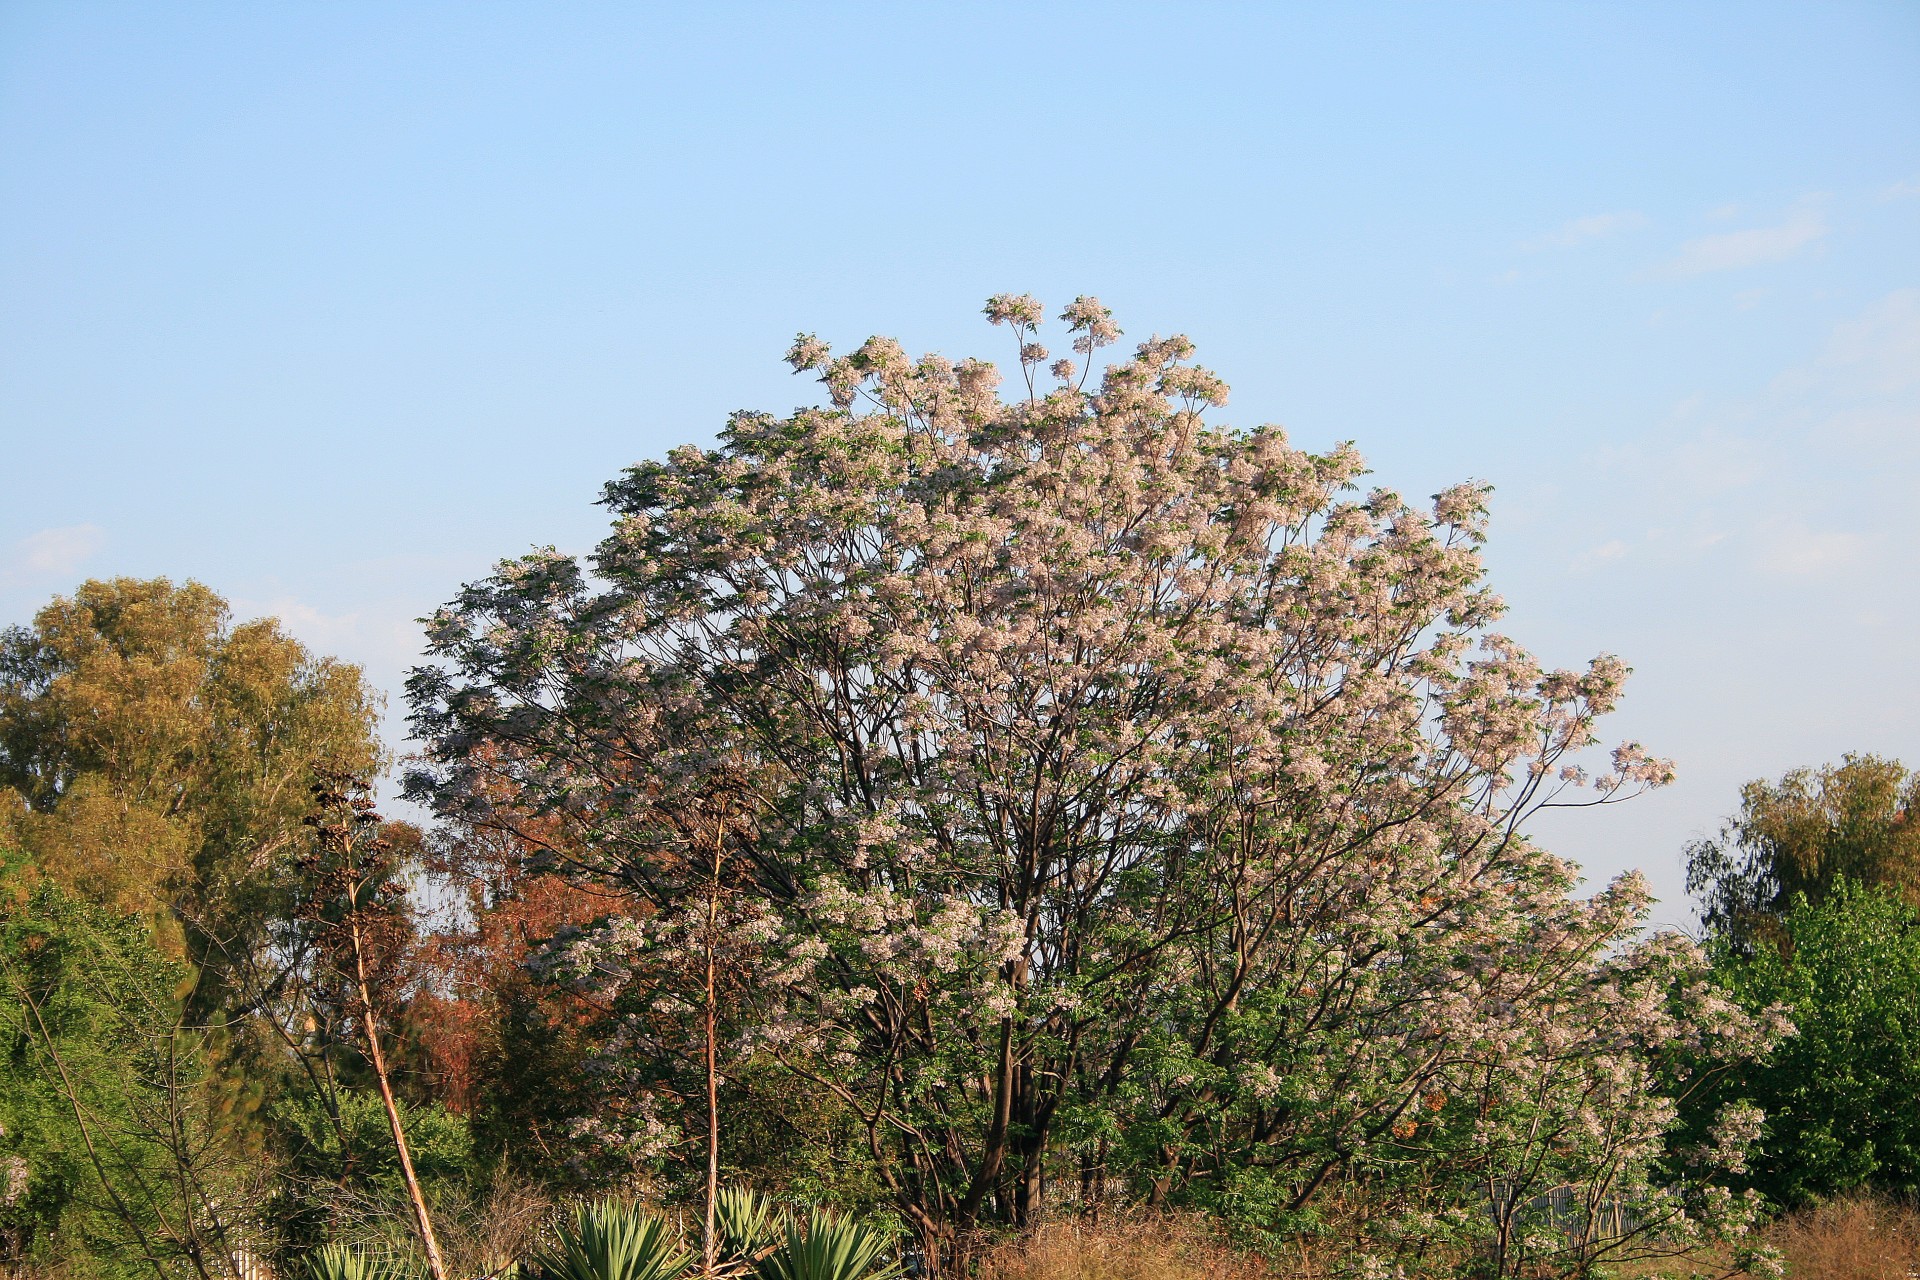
[(1839, 1096), (338, 1156), (160, 754), (612, 1240), (803, 1146), (749, 1224), (827, 1247), (441, 1145), (1804, 833), (339, 1262), (111, 1158)]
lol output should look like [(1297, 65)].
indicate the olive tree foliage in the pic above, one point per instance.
[(1135, 804), (1858, 820), (157, 758)]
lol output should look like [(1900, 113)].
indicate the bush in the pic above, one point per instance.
[(352, 1191), (611, 1240), (1838, 1096), (826, 1247)]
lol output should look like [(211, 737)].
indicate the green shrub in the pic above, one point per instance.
[(338, 1262), (612, 1240), (831, 1248)]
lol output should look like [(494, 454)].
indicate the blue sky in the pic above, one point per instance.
[(331, 305)]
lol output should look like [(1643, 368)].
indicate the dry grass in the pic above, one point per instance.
[(1858, 1238), (483, 1235), (481, 1230), (1159, 1248)]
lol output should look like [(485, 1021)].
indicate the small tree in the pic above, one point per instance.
[(110, 1136), (675, 978), (356, 913)]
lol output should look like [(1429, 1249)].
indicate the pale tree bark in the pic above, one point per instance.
[(423, 1222), (710, 1242)]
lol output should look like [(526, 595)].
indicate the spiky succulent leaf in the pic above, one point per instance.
[(341, 1262), (831, 1248), (749, 1224), (612, 1240)]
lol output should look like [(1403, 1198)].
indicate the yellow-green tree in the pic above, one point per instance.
[(158, 759), (1858, 820)]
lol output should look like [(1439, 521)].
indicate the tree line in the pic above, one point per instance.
[(949, 806)]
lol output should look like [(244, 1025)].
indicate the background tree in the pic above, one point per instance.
[(154, 760), (531, 1012), (162, 755), (1130, 802), (1837, 1096), (500, 1038), (1801, 835)]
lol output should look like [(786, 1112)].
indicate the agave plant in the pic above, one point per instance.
[(831, 1248), (340, 1262), (749, 1225), (612, 1240)]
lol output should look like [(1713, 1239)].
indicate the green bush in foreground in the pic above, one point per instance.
[(609, 1240), (338, 1262), (831, 1248), (1839, 1095)]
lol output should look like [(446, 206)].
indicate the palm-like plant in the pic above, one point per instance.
[(830, 1248), (612, 1240), (339, 1262), (750, 1226)]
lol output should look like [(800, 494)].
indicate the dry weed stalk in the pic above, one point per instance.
[(1855, 1238), (1137, 1248)]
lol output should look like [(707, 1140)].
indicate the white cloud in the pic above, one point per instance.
[(1755, 246), (1606, 553), (1594, 226), (1794, 482), (1880, 350), (383, 638), (1792, 549), (51, 553)]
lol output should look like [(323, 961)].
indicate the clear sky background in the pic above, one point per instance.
[(332, 305)]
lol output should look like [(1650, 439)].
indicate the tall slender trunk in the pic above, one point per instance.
[(709, 1239), (422, 1221)]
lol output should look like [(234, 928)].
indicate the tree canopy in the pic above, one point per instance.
[(1838, 1095), (1858, 820), (158, 755), (1125, 802)]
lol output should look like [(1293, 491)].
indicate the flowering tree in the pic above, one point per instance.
[(1133, 802)]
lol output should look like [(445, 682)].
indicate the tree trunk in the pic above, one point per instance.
[(422, 1220), (710, 1244)]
